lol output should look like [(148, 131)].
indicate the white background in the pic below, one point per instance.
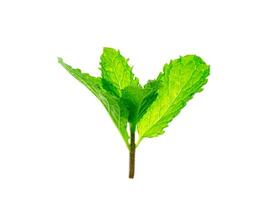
[(57, 141)]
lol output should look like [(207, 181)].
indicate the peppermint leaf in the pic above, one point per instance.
[(117, 112), (116, 70), (180, 80)]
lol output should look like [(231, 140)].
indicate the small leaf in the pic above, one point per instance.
[(149, 96), (116, 71), (138, 99), (132, 97), (180, 80)]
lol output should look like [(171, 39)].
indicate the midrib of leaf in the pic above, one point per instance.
[(116, 74), (122, 79)]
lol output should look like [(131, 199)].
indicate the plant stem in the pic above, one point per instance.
[(132, 152)]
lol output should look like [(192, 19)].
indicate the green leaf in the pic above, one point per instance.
[(118, 112), (180, 80), (132, 97), (116, 71), (138, 99), (149, 96)]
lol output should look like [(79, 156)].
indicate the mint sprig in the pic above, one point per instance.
[(149, 108)]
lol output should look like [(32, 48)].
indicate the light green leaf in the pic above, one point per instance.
[(149, 96), (132, 97), (118, 113), (180, 80), (116, 71), (138, 99)]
